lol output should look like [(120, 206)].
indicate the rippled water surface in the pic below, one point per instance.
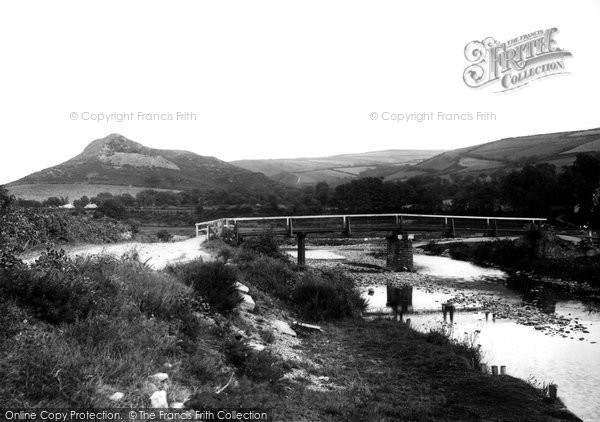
[(570, 360)]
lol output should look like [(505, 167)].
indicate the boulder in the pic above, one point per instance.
[(177, 405), (247, 303), (158, 400), (283, 327), (240, 287)]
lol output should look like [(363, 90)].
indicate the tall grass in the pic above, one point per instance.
[(70, 330), (327, 295)]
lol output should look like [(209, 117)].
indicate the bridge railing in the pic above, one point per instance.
[(349, 223)]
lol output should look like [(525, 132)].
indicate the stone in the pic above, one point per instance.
[(240, 287), (248, 303), (256, 346), (158, 400), (177, 405), (283, 327), (306, 327), (117, 396), (159, 377)]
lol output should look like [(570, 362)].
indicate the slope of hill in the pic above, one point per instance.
[(507, 154), (116, 164), (333, 169)]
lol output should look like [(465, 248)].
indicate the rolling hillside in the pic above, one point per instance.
[(507, 154), (333, 169), (116, 164)]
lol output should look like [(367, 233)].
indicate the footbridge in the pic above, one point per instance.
[(399, 229)]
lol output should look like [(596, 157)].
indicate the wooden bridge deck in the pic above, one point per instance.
[(348, 224)]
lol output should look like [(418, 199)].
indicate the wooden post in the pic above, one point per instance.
[(453, 228), (290, 227), (502, 370), (494, 370), (483, 368), (553, 391), (495, 228), (444, 310), (487, 315), (408, 322), (348, 228), (301, 248)]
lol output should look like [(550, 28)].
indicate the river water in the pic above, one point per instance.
[(565, 354)]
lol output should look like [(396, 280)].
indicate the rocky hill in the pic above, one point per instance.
[(116, 164)]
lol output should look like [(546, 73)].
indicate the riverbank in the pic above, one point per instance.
[(170, 338), (579, 274), (377, 369)]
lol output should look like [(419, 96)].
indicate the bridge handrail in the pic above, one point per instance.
[(218, 224), (297, 217)]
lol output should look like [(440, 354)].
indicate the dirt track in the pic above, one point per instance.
[(157, 255)]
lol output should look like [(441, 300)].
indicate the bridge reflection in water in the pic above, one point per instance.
[(400, 300)]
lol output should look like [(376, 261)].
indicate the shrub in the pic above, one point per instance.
[(24, 228), (213, 281), (327, 296), (164, 236), (269, 275), (265, 244), (52, 289)]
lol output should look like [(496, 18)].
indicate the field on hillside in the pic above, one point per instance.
[(43, 191)]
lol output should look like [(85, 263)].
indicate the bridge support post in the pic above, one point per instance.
[(301, 248), (399, 252)]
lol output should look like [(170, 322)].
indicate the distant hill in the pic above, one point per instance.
[(333, 169), (503, 155), (116, 164)]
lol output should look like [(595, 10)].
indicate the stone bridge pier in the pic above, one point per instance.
[(400, 252)]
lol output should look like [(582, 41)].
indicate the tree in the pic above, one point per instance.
[(6, 199), (54, 201), (112, 208), (322, 193), (81, 202)]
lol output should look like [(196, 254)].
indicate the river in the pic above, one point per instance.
[(564, 349)]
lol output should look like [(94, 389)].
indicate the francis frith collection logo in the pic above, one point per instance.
[(514, 63)]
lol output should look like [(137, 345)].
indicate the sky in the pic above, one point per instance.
[(275, 79)]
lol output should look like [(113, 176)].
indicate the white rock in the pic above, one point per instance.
[(177, 405), (283, 327), (158, 400), (160, 377), (117, 396), (247, 303), (240, 287), (256, 346)]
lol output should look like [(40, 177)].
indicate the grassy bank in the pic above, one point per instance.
[(515, 255), (74, 332)]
